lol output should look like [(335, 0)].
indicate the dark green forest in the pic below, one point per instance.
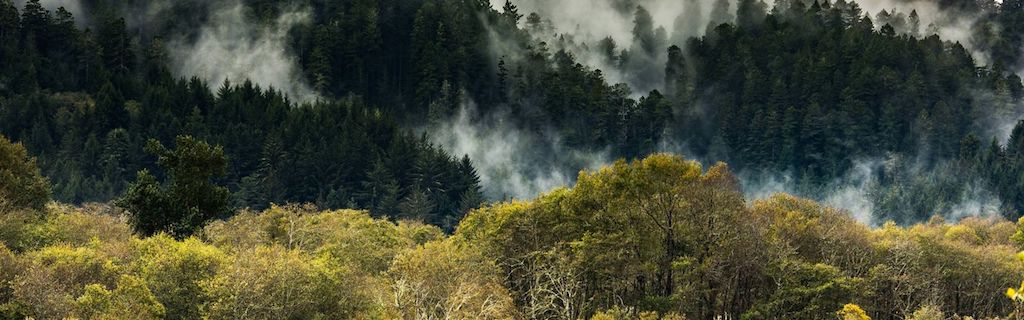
[(803, 90), (87, 102)]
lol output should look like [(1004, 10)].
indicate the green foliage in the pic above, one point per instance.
[(662, 219), (21, 184), (10, 265), (1018, 235), (86, 103), (806, 291), (18, 229), (188, 200)]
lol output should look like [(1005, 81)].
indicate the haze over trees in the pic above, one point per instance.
[(132, 189), (806, 92)]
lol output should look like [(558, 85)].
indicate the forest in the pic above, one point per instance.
[(474, 159), (657, 238)]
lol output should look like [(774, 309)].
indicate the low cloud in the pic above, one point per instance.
[(512, 162), (231, 47)]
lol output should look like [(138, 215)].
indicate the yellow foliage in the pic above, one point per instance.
[(619, 313), (54, 275), (348, 238), (602, 316), (79, 226), (131, 299), (816, 232), (273, 282), (21, 229), (852, 312), (632, 229), (1017, 294), (928, 312), (10, 269), (964, 234), (174, 271), (448, 280)]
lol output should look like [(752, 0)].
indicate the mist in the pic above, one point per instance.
[(233, 48), (580, 26), (593, 20), (512, 162), (874, 190), (952, 25), (72, 6), (227, 45)]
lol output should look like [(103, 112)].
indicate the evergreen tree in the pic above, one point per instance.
[(511, 12), (188, 199), (416, 206)]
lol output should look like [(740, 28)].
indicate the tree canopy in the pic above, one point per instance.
[(21, 184), (657, 238), (189, 199)]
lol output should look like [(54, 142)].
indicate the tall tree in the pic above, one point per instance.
[(188, 199)]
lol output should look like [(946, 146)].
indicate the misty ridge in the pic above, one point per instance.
[(484, 89), (626, 42)]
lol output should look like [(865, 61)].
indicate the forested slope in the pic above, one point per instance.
[(86, 102), (812, 94)]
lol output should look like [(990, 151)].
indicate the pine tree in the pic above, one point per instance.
[(417, 206), (116, 43), (379, 191), (511, 12), (677, 82), (914, 24), (643, 32), (188, 199), (750, 13)]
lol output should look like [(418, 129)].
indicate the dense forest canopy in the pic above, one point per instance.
[(871, 111), (87, 103), (658, 238)]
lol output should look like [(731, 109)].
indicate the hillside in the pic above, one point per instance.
[(524, 159)]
